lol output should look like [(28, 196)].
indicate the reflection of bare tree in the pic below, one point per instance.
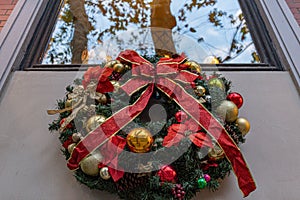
[(237, 45), (122, 12), (157, 15), (82, 27)]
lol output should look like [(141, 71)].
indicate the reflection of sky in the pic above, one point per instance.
[(216, 41), (59, 45)]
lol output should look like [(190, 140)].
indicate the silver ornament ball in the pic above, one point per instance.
[(104, 173)]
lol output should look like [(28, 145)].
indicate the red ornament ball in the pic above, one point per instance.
[(181, 116), (167, 174), (236, 98)]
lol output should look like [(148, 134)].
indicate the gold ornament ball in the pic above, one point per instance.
[(216, 153), (193, 66), (104, 173), (216, 82), (71, 147), (243, 125), (200, 91), (93, 122), (139, 140), (116, 85), (89, 165), (76, 137), (228, 111), (119, 68), (101, 98), (111, 63), (127, 67)]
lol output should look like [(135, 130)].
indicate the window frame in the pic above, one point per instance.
[(260, 37), (41, 37), (269, 38)]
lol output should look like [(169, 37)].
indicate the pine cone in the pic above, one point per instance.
[(130, 181)]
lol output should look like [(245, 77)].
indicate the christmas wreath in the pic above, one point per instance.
[(115, 141)]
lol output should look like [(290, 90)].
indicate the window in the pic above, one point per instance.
[(207, 31)]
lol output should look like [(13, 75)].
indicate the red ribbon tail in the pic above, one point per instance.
[(248, 187), (206, 120)]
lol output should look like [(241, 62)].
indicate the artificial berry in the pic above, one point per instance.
[(181, 116), (69, 126), (178, 192)]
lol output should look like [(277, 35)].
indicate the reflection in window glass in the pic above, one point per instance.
[(207, 31)]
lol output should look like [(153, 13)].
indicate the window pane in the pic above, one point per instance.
[(207, 31)]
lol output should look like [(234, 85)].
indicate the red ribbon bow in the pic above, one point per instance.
[(163, 77), (100, 75), (176, 132)]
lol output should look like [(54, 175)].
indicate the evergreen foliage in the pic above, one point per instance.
[(189, 165)]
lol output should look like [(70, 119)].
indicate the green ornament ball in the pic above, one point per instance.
[(202, 183), (217, 83)]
